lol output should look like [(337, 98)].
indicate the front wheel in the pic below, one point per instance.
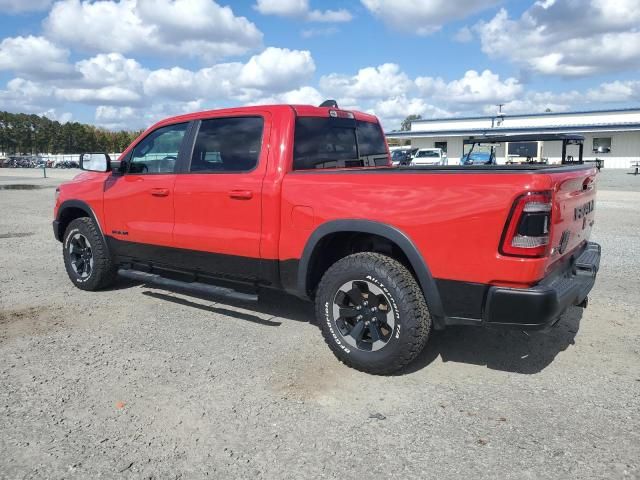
[(86, 259), (372, 313)]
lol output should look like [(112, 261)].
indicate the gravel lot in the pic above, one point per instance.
[(137, 382)]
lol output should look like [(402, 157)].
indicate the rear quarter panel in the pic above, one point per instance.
[(454, 219)]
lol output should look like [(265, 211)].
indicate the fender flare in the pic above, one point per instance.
[(393, 234), (59, 234)]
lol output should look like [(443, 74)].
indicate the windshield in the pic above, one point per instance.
[(428, 153)]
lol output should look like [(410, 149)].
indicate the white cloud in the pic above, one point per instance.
[(301, 96), (616, 91), (277, 68), (22, 6), (333, 16), (110, 69), (567, 38), (34, 57), (199, 28), (604, 95), (392, 111), (274, 70), (26, 96), (173, 82), (283, 8), (424, 17), (372, 82), (116, 83), (108, 113), (472, 88), (300, 9), (111, 94), (117, 118)]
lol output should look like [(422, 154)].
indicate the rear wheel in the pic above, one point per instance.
[(372, 313), (85, 256)]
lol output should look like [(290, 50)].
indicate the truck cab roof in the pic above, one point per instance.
[(277, 109)]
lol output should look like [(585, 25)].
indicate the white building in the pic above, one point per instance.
[(611, 135)]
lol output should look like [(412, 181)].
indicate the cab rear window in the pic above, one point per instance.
[(337, 143)]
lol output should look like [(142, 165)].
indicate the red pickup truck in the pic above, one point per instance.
[(305, 199)]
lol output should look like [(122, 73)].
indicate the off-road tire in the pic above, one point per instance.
[(103, 272), (413, 319)]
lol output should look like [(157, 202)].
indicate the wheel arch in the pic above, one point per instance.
[(409, 254), (68, 211)]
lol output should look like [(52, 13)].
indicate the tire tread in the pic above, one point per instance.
[(408, 292), (104, 267)]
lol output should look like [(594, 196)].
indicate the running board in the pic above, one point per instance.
[(196, 287)]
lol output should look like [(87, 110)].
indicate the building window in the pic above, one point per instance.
[(602, 145), (441, 145), (523, 149)]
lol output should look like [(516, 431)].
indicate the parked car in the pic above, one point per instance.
[(205, 202), (67, 164), (401, 157), (478, 158), (429, 156)]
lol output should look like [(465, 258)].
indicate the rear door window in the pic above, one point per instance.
[(229, 144), (337, 143)]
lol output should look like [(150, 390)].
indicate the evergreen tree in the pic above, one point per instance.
[(24, 134)]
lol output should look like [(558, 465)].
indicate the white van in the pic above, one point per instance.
[(429, 156)]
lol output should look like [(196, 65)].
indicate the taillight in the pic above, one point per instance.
[(527, 231)]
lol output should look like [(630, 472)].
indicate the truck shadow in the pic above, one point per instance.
[(506, 350), (278, 306), (498, 349)]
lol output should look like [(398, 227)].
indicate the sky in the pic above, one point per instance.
[(125, 64)]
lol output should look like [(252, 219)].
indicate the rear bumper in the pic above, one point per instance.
[(542, 305)]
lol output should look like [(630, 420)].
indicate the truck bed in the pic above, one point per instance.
[(455, 215), (538, 168)]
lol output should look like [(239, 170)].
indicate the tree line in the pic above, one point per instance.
[(25, 134)]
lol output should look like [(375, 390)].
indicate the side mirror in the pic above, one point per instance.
[(95, 162)]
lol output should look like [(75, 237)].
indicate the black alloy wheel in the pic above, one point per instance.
[(364, 315), (81, 255), (372, 312)]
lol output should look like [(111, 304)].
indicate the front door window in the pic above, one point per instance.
[(158, 151)]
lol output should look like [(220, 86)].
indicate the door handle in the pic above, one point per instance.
[(241, 194), (159, 192)]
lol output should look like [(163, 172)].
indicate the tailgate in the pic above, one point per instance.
[(573, 210)]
